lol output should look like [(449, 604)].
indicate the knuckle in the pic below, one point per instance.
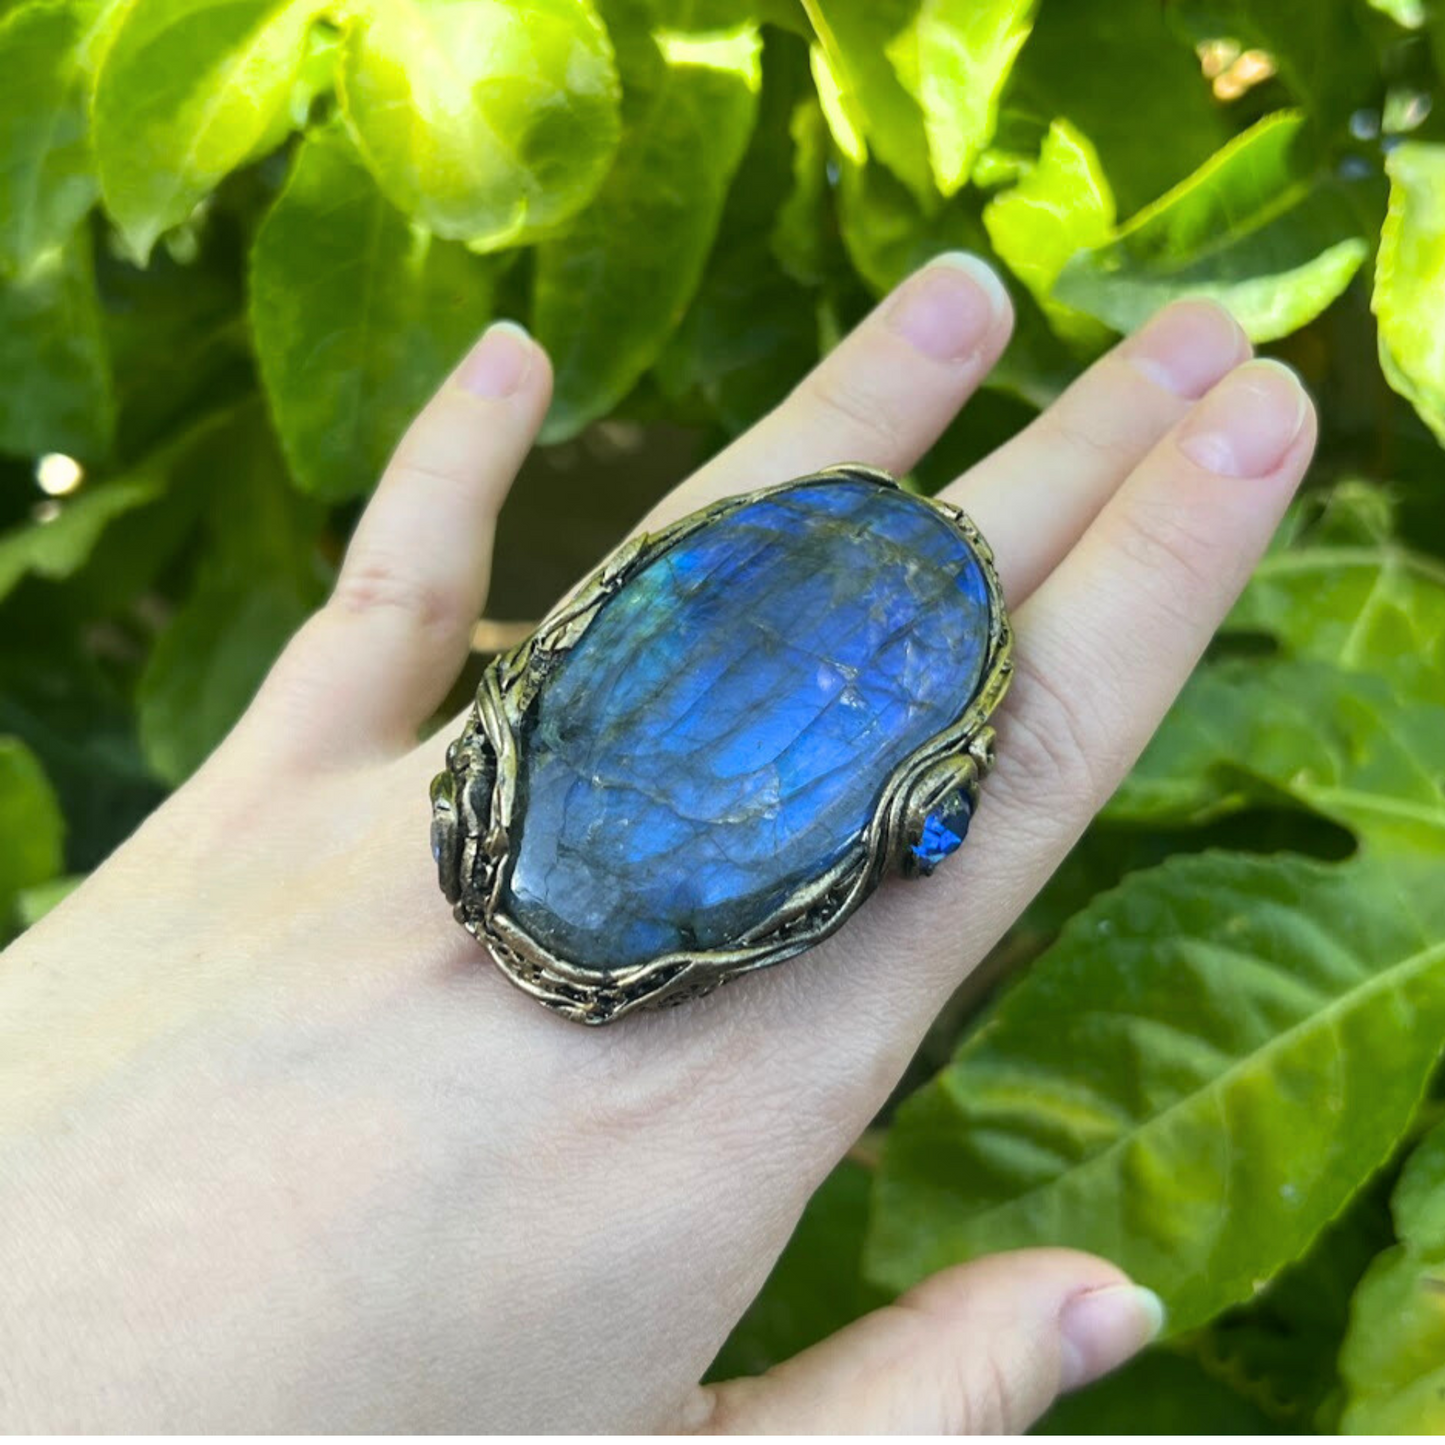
[(1165, 548), (379, 584), (843, 399)]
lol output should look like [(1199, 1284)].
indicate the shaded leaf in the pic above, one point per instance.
[(490, 121), (1393, 1359), (46, 183), (815, 1287), (609, 293), (953, 57), (1061, 206), (1254, 228), (1157, 1394), (30, 824), (1187, 1083), (55, 393), (58, 549), (1409, 299), (187, 91), (357, 316)]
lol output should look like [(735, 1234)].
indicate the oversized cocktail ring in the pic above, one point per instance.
[(705, 759)]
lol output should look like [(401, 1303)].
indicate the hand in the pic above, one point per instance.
[(280, 1150)]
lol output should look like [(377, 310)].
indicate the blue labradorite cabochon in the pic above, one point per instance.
[(723, 730)]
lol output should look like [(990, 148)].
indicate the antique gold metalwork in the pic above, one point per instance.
[(474, 800)]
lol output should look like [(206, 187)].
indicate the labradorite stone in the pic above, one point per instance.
[(723, 730)]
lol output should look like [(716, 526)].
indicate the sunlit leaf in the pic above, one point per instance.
[(357, 315), (30, 825), (868, 107), (186, 91), (32, 904), (1409, 300), (609, 293), (953, 57), (46, 180), (1062, 205), (1189, 1083), (55, 391), (1393, 1360), (488, 120), (1254, 228)]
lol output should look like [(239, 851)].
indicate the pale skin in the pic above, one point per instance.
[(281, 1150)]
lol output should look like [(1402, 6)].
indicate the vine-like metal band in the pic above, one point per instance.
[(474, 800)]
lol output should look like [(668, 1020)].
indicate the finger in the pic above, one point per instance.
[(882, 396), (1036, 494), (981, 1349), (375, 662)]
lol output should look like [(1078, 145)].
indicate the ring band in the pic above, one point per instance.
[(703, 761)]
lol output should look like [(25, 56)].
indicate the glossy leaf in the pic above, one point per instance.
[(1393, 1359), (953, 57), (490, 121), (1409, 300), (609, 294), (1188, 1083), (1253, 228), (867, 104), (187, 90), (1062, 205), (30, 824), (55, 393), (357, 317), (46, 180)]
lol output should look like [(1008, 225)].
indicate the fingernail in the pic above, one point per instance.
[(1247, 424), (498, 362), (948, 309), (1101, 1328), (1187, 347)]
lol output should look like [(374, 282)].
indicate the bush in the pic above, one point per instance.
[(240, 243)]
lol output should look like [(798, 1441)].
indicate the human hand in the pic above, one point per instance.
[(278, 1150)]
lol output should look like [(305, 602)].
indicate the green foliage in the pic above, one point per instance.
[(240, 244)]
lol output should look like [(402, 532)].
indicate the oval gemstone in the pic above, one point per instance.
[(723, 730)]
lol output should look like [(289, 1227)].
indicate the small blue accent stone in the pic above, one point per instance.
[(723, 730), (943, 833)]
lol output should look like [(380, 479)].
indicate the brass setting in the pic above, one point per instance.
[(475, 799)]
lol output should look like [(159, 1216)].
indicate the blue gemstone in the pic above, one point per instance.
[(723, 730), (943, 833)]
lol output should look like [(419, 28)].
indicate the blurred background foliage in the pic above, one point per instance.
[(242, 240)]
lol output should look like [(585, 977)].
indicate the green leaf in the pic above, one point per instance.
[(30, 824), (1409, 13), (187, 91), (609, 294), (32, 904), (953, 57), (1187, 1083), (1061, 206), (1393, 1359), (46, 184), (55, 393), (358, 317), (815, 1288), (59, 548), (490, 121), (1158, 1394), (869, 109), (257, 581), (1253, 228), (1409, 299)]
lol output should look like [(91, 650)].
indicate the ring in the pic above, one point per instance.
[(703, 761)]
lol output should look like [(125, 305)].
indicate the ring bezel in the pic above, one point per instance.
[(474, 800)]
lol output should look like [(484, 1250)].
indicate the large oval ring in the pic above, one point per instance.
[(705, 759)]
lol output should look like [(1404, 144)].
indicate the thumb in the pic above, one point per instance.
[(984, 1348)]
